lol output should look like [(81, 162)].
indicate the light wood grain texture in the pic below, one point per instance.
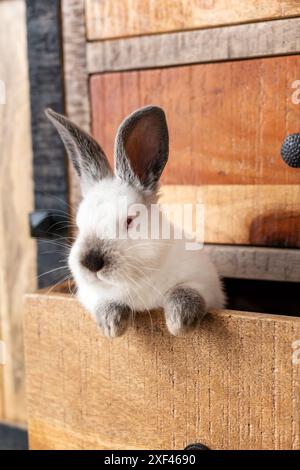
[(210, 45), (75, 73), (266, 215), (247, 262), (226, 120), (17, 250), (231, 385), (121, 18), (262, 215)]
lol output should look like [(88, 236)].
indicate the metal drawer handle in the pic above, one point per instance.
[(196, 446), (290, 150)]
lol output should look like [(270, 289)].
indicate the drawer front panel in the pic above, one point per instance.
[(261, 215), (231, 385), (110, 19), (227, 120)]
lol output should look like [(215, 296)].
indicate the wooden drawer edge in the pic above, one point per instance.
[(56, 300), (190, 47)]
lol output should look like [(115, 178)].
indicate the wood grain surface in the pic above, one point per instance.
[(75, 68), (17, 250), (122, 18), (257, 215), (261, 215), (248, 262), (77, 100), (268, 38), (226, 120), (231, 385)]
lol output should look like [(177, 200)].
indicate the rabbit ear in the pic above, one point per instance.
[(142, 147), (87, 156)]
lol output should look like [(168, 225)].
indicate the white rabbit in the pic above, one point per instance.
[(118, 275)]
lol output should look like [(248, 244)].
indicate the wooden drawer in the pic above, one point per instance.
[(231, 385), (110, 19), (227, 122)]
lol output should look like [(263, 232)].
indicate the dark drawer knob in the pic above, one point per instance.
[(290, 150), (196, 446), (48, 224)]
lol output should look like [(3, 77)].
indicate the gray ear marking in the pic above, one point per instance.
[(88, 158), (142, 147)]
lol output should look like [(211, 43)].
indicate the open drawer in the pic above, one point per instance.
[(234, 384)]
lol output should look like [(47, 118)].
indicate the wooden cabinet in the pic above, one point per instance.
[(230, 94), (226, 72)]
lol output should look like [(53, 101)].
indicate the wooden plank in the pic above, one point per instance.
[(17, 250), (210, 45), (245, 262), (75, 69), (226, 127), (231, 385), (75, 74), (266, 215), (122, 18), (46, 89), (263, 215)]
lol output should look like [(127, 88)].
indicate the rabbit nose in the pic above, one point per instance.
[(93, 261)]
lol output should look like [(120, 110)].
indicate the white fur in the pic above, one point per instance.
[(146, 269)]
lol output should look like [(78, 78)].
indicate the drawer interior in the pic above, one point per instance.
[(272, 297)]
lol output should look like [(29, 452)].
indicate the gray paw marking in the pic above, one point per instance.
[(113, 319), (184, 310)]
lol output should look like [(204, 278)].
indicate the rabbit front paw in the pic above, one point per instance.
[(184, 309), (113, 319)]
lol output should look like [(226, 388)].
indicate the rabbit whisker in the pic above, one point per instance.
[(149, 284), (130, 279), (57, 283), (149, 268), (54, 242), (52, 271)]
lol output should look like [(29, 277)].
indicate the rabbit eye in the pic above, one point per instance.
[(129, 221)]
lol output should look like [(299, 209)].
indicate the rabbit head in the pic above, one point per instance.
[(103, 250)]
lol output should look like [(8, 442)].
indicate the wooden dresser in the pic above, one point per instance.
[(227, 74)]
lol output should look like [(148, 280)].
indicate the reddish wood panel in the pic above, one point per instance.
[(227, 120)]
